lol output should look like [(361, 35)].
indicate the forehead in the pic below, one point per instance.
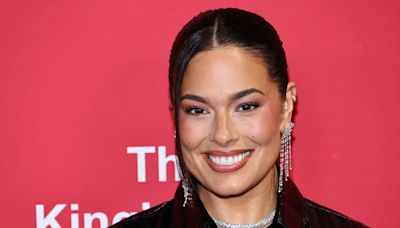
[(224, 69)]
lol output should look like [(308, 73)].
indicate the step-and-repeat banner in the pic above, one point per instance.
[(86, 133)]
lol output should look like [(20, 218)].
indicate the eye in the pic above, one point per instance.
[(246, 107), (195, 110)]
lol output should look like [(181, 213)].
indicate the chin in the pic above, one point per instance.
[(228, 190), (230, 193)]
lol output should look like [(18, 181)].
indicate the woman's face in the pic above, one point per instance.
[(230, 115)]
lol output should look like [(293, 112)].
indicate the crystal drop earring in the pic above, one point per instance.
[(187, 191), (187, 195), (285, 156)]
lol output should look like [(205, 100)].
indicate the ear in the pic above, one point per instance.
[(288, 106)]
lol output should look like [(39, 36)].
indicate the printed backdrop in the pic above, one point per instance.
[(86, 134)]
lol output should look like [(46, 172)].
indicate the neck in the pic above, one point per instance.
[(249, 207)]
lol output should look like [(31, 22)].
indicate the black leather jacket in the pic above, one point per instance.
[(292, 211)]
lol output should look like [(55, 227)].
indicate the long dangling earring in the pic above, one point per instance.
[(187, 193), (285, 155)]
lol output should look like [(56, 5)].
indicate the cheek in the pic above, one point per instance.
[(264, 127), (191, 132)]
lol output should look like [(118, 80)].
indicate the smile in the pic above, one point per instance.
[(228, 160), (231, 161)]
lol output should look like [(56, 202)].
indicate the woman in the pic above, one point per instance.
[(232, 105)]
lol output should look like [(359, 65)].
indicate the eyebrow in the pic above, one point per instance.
[(194, 98), (244, 93), (233, 97)]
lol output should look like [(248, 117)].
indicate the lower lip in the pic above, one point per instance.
[(227, 168)]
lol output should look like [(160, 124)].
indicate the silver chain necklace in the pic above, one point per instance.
[(258, 224)]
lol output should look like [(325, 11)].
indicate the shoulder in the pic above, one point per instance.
[(153, 217), (320, 216)]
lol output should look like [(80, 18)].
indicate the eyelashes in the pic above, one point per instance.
[(195, 110), (246, 107), (243, 107)]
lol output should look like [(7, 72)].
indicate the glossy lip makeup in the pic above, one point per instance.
[(225, 162)]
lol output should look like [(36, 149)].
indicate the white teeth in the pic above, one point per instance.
[(223, 160), (228, 160)]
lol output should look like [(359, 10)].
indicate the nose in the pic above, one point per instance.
[(224, 130)]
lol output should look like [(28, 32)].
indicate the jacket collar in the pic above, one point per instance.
[(192, 215), (291, 209)]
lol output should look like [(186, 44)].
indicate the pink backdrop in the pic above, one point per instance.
[(83, 89)]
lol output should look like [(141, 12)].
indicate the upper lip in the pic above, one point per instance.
[(227, 153)]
